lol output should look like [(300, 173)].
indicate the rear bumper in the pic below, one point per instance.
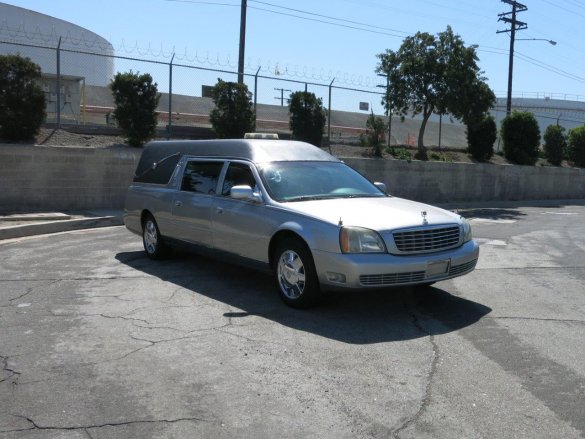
[(367, 271)]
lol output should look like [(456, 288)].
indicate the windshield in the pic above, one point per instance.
[(301, 181)]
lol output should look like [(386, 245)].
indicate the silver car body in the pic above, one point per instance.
[(423, 244)]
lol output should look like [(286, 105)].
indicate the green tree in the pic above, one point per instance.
[(307, 117), (521, 137), (233, 115), (135, 98), (555, 144), (375, 131), (481, 136), (22, 101), (576, 146), (429, 74)]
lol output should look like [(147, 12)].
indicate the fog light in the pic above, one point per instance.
[(336, 277)]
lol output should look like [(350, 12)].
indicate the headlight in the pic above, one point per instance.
[(358, 240), (466, 230)]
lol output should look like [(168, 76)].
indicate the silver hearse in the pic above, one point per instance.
[(290, 207)]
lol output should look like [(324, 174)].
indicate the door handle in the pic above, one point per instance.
[(178, 203), (219, 210)]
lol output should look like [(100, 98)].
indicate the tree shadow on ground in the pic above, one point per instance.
[(351, 317), (492, 214)]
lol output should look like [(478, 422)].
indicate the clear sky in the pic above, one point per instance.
[(312, 48)]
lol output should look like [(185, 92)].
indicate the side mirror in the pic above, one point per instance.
[(244, 192), (381, 186)]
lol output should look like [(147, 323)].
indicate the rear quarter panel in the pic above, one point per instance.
[(154, 199)]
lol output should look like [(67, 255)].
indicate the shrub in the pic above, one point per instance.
[(481, 136), (22, 101), (555, 144), (400, 153), (233, 115), (375, 131), (576, 146), (135, 99), (307, 117), (521, 137)]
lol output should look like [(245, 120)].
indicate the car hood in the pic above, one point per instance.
[(380, 214)]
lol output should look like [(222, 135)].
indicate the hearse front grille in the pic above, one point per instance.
[(426, 240)]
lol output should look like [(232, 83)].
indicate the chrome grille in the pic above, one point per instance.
[(426, 240), (463, 268), (392, 278)]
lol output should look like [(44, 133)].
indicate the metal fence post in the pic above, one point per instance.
[(59, 84), (256, 95), (170, 125), (329, 117), (388, 109), (440, 129)]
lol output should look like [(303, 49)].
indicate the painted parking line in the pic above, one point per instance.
[(492, 242), (559, 213), (492, 221)]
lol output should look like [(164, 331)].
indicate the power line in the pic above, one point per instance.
[(330, 17), (556, 5), (576, 3), (551, 68), (327, 22), (204, 2), (364, 26), (359, 26)]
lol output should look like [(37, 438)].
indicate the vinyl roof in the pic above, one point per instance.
[(168, 153)]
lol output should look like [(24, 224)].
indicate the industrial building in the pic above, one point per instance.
[(81, 57)]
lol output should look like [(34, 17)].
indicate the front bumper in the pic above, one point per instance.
[(365, 271)]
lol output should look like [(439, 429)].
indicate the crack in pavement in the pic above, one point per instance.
[(36, 426), (428, 388), (11, 372), (151, 343), (29, 291), (86, 278), (105, 316)]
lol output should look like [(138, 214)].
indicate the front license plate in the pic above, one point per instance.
[(438, 268)]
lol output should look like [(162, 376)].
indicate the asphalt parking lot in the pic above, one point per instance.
[(97, 341)]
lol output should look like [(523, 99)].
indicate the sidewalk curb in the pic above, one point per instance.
[(20, 231)]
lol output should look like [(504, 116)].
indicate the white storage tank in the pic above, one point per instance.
[(36, 36)]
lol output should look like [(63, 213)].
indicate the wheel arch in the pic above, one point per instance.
[(143, 215), (282, 235)]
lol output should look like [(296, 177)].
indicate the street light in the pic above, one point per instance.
[(551, 42), (509, 99)]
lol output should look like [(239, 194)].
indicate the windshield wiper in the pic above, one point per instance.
[(311, 198), (361, 196)]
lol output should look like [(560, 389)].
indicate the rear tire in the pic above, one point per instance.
[(154, 245), (295, 274)]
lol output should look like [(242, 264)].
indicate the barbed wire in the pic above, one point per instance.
[(84, 39), (278, 68), (270, 67)]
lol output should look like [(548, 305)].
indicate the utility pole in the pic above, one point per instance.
[(242, 42), (515, 25), (281, 90)]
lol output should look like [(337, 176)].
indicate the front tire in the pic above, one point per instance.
[(296, 277), (154, 245)]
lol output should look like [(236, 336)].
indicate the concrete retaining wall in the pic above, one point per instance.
[(65, 178), (436, 182)]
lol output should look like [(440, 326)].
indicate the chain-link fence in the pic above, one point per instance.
[(76, 82)]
